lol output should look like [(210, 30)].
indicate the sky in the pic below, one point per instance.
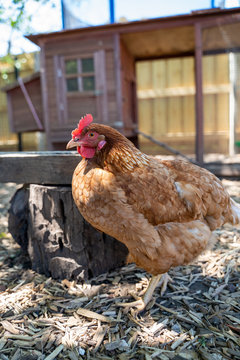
[(48, 18)]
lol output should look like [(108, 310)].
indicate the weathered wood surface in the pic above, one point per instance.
[(45, 221), (56, 168), (18, 217), (53, 168)]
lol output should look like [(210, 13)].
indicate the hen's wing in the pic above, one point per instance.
[(176, 191)]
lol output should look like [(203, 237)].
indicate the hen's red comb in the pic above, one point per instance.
[(83, 122)]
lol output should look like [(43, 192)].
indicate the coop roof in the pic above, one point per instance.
[(26, 79), (165, 36)]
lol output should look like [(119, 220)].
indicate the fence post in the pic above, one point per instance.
[(199, 94)]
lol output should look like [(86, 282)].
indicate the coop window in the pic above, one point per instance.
[(79, 75)]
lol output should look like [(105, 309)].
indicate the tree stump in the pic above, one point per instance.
[(45, 221)]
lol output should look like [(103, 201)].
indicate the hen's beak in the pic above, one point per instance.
[(71, 144)]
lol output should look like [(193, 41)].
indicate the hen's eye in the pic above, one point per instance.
[(91, 134)]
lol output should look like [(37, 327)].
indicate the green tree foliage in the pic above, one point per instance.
[(13, 13), (16, 16)]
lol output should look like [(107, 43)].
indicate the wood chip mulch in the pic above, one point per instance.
[(198, 317)]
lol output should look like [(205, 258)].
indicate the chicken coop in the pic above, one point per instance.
[(93, 70), (29, 117)]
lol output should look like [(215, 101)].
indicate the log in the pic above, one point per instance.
[(60, 243)]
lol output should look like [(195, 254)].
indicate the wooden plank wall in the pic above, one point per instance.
[(23, 118), (77, 105), (166, 103)]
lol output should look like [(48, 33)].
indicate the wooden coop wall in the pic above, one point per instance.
[(64, 108), (166, 103), (22, 119), (8, 139)]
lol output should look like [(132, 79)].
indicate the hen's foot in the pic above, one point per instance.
[(165, 279), (141, 303)]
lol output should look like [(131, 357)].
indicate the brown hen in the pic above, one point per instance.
[(163, 211)]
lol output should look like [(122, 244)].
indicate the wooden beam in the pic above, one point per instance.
[(30, 104), (57, 167), (182, 91), (53, 168), (167, 56), (165, 146), (199, 94), (220, 20)]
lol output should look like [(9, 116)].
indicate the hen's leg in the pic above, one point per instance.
[(141, 303)]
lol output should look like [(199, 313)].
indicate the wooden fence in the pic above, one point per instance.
[(166, 102)]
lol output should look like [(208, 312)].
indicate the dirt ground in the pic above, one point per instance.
[(198, 317)]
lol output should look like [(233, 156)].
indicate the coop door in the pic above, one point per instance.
[(82, 89)]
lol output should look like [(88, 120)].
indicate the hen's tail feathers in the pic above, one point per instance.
[(235, 212)]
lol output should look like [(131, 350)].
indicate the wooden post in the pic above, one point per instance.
[(20, 145), (199, 94), (16, 74), (232, 102), (118, 72)]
